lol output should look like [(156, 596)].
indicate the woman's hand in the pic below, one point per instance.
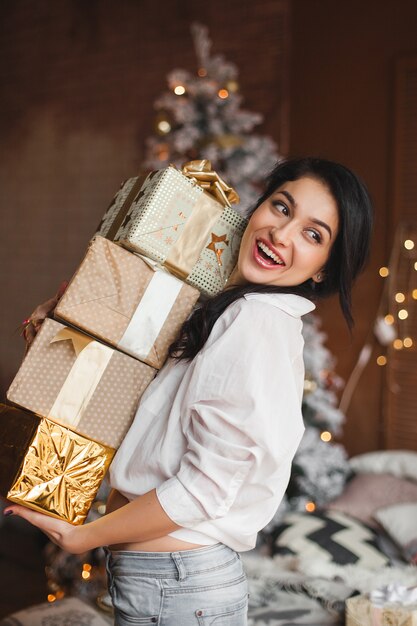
[(35, 319), (141, 519), (68, 537)]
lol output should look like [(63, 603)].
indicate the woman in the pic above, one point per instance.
[(208, 457)]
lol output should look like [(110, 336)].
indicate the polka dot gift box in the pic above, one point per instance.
[(183, 220), (48, 467), (123, 300), (73, 380)]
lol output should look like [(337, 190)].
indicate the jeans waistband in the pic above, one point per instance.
[(176, 565)]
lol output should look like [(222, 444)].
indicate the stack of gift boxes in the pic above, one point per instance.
[(165, 240)]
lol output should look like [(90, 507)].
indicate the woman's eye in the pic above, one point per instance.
[(281, 207), (315, 235)]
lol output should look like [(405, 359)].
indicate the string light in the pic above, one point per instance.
[(414, 294), (399, 297), (408, 244), (86, 573), (415, 265), (179, 90), (232, 86), (163, 152), (397, 344), (408, 342), (389, 319), (310, 507), (326, 436), (164, 127), (403, 314), (309, 385), (381, 360), (223, 94), (202, 72), (50, 597), (383, 271)]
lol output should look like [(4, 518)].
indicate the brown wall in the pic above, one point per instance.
[(78, 81), (342, 107)]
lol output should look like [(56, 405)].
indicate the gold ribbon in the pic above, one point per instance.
[(85, 374), (200, 171)]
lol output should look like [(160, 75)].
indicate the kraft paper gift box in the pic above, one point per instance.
[(184, 221), (117, 296), (48, 467), (361, 611), (70, 378)]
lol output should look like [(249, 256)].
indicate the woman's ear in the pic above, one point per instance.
[(319, 277)]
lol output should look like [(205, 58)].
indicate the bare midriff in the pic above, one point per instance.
[(161, 544)]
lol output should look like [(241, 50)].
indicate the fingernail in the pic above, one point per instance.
[(8, 512)]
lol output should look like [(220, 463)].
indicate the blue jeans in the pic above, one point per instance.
[(201, 587)]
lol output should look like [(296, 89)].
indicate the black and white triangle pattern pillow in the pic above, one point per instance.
[(332, 537)]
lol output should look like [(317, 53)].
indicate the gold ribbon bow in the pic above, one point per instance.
[(200, 171), (79, 340)]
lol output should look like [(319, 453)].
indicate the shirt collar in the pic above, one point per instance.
[(288, 302)]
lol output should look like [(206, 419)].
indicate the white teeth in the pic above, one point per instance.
[(269, 252)]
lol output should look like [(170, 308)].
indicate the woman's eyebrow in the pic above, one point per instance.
[(323, 224), (288, 196), (294, 204)]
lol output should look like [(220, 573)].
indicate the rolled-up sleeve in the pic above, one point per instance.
[(242, 411)]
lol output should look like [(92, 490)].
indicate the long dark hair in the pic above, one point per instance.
[(348, 255)]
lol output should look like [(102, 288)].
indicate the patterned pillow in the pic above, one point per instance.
[(328, 536)]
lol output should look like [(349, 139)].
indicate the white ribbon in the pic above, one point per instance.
[(151, 314), (82, 380), (394, 593)]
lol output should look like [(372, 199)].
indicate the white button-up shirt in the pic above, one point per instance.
[(216, 436)]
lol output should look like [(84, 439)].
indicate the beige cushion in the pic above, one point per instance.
[(400, 463), (400, 522), (366, 493)]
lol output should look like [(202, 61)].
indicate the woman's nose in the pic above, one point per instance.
[(282, 235)]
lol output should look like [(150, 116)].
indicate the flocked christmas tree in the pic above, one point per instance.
[(200, 117)]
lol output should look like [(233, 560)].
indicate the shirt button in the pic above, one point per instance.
[(199, 613)]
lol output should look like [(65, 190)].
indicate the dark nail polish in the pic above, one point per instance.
[(8, 512)]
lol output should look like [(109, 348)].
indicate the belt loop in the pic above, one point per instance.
[(182, 572)]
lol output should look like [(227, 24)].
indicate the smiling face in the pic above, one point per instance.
[(289, 236)]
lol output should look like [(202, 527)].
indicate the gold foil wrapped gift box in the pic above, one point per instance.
[(120, 298), (47, 467), (74, 380), (184, 221)]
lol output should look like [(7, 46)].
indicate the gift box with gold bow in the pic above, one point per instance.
[(184, 221), (127, 301), (73, 380), (48, 467)]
